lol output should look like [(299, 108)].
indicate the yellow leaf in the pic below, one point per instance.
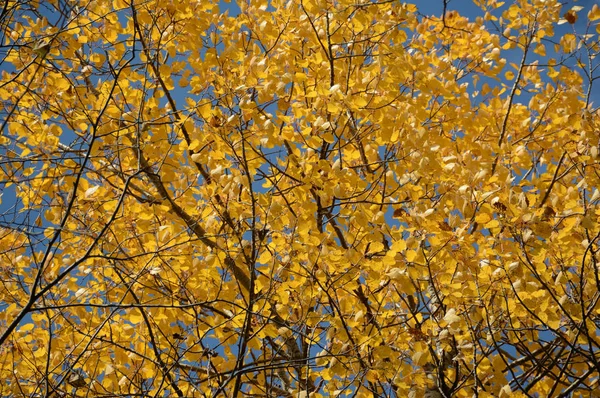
[(360, 102), (333, 107), (204, 110), (375, 247), (421, 355), (483, 218), (194, 145), (540, 49), (135, 317), (492, 224), (594, 13), (300, 77), (398, 246)]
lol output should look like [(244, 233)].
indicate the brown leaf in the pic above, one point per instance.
[(570, 16), (501, 207), (444, 226), (399, 212), (77, 380), (549, 212)]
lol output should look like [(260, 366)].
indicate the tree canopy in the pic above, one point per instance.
[(299, 198)]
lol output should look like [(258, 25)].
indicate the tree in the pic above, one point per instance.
[(299, 198)]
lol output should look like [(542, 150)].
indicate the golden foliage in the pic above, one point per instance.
[(299, 198)]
